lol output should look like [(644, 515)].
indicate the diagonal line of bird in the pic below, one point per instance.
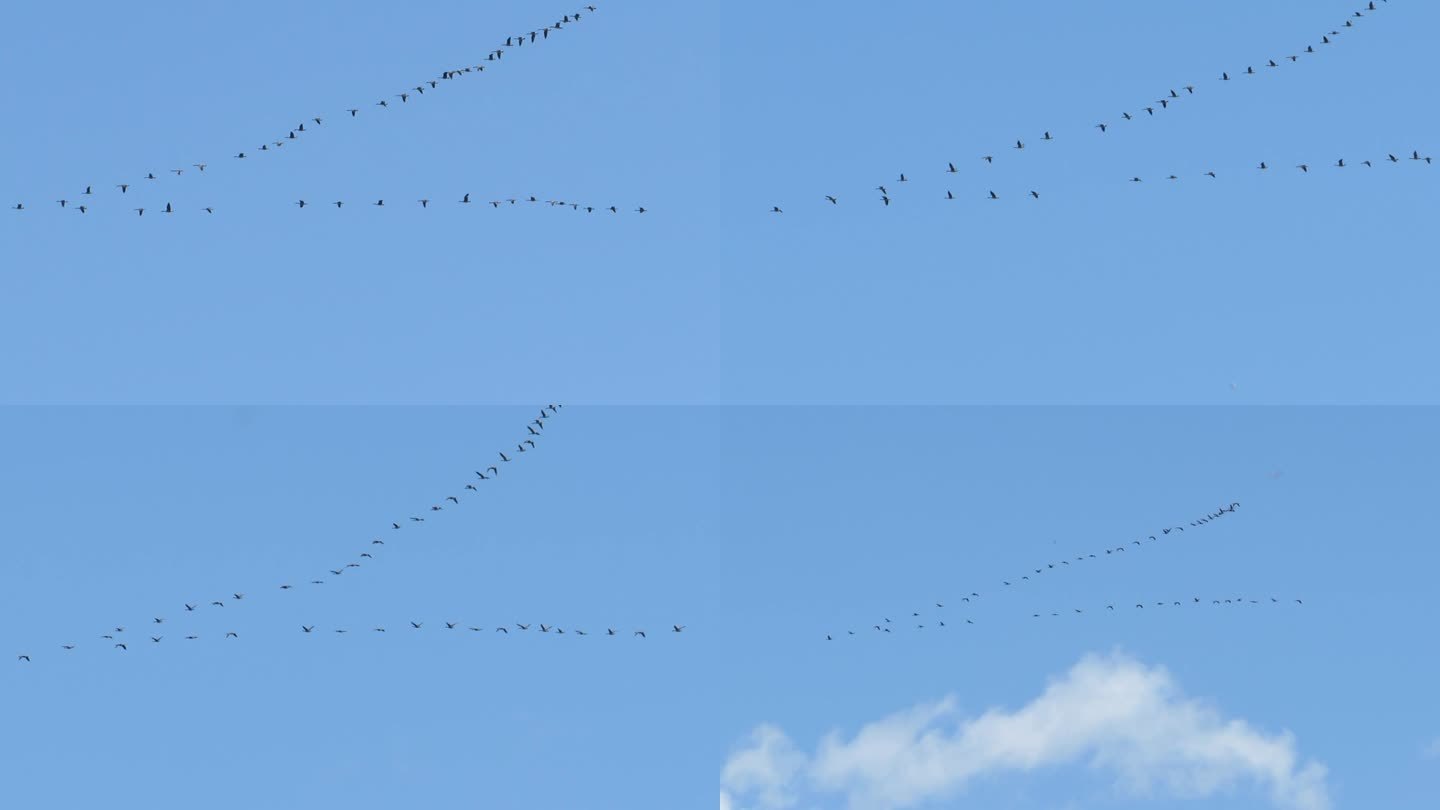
[(1056, 566), (513, 43)]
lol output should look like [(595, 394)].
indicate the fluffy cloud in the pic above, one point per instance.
[(767, 767), (1108, 712)]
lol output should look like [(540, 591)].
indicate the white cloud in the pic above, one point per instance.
[(767, 768), (1109, 712)]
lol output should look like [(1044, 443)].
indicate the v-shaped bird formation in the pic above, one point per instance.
[(305, 129), (935, 616), (204, 616)]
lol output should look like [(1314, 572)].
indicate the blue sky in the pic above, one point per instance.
[(202, 404), (1295, 288)]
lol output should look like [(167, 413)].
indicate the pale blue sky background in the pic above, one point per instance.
[(1296, 288), (759, 528)]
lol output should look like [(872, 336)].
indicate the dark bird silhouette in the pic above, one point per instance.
[(232, 635), (640, 633)]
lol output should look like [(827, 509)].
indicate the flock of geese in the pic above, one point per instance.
[(889, 192), (82, 201), (209, 609), (1049, 568), (883, 194)]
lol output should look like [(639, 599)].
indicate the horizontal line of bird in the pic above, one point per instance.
[(1340, 163), (889, 625), (117, 642), (496, 55), (424, 203), (1062, 564), (534, 429)]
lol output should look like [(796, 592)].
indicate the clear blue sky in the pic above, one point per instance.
[(1296, 288), (197, 404)]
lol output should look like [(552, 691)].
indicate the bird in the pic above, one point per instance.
[(951, 169), (994, 196), (1102, 127), (232, 634), (640, 633), (1035, 194), (449, 625), (1047, 132), (159, 620), (300, 203), (424, 203), (1019, 144), (307, 629), (1303, 167), (676, 628), (218, 603), (121, 647), (67, 646), (25, 658), (776, 210), (416, 625), (156, 639)]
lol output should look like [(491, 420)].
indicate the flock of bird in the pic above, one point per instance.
[(1193, 601), (1340, 163), (886, 193), (883, 194), (294, 134), (1051, 567), (424, 203), (366, 556)]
